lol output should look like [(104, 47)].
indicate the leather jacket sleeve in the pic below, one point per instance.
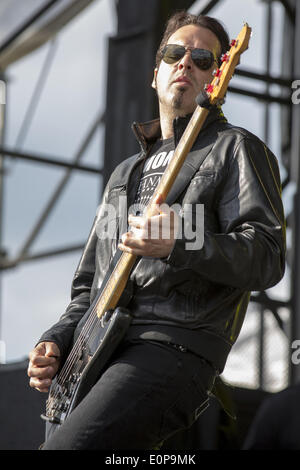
[(248, 251), (62, 332)]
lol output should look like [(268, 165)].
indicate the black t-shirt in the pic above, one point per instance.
[(153, 170)]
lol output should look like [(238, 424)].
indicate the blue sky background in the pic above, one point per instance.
[(36, 293)]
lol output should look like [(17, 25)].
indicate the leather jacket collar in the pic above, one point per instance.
[(148, 132)]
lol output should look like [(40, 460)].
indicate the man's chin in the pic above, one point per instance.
[(182, 109), (184, 104)]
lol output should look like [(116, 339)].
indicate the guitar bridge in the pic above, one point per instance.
[(51, 419)]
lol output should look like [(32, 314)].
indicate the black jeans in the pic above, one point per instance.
[(149, 392)]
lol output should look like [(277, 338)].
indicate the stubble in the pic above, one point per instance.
[(178, 99)]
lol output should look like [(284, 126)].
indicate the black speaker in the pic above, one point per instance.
[(20, 408)]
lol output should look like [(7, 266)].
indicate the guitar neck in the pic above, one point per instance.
[(119, 277), (184, 146), (116, 284)]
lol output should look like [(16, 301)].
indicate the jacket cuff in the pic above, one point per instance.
[(179, 256), (189, 241)]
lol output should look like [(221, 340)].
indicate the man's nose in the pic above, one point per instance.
[(186, 61)]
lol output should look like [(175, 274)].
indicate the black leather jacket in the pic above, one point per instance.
[(195, 297)]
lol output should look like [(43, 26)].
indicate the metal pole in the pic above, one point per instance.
[(58, 191), (268, 66), (46, 160), (27, 24), (295, 176), (2, 252), (262, 331), (261, 350)]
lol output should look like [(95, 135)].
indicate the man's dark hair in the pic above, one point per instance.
[(183, 18)]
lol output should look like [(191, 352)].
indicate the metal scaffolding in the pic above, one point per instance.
[(140, 26)]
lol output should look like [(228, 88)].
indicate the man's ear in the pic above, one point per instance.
[(154, 78)]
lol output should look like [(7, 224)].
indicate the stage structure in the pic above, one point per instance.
[(139, 28)]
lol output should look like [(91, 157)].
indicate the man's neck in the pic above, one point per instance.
[(166, 122)]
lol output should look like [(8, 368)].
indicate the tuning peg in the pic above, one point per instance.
[(208, 88), (217, 74), (225, 57), (234, 42)]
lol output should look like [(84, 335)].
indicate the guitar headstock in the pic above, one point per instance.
[(216, 90)]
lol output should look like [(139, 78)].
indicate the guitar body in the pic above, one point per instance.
[(69, 388)]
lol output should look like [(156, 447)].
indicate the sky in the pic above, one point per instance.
[(35, 294)]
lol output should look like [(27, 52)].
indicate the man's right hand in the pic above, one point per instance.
[(44, 362)]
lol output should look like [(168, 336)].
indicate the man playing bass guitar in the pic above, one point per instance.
[(190, 288)]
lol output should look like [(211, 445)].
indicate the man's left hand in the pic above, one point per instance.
[(152, 236)]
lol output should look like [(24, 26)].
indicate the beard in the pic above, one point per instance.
[(181, 104), (177, 101), (178, 104)]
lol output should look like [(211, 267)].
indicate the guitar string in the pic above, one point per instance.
[(66, 367), (90, 336), (89, 323), (71, 360), (78, 345), (85, 333)]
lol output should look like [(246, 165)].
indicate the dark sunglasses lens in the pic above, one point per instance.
[(173, 53), (202, 58)]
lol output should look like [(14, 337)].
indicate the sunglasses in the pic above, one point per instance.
[(202, 58)]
